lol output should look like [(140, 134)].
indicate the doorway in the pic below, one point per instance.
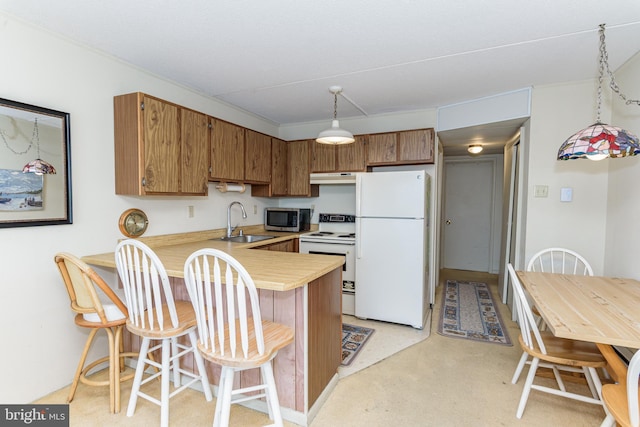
[(472, 211)]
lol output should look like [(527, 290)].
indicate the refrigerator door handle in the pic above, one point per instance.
[(358, 199), (358, 245)]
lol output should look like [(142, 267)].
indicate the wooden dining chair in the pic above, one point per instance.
[(97, 308), (552, 260), (621, 399), (231, 331), (550, 351), (154, 315)]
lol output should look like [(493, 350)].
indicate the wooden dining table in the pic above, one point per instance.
[(604, 310)]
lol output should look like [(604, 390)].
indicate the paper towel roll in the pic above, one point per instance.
[(224, 187)]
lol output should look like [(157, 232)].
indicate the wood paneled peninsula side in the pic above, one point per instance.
[(301, 291)]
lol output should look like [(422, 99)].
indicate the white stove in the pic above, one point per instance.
[(336, 236)]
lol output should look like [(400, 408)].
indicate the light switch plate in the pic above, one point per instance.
[(566, 194)]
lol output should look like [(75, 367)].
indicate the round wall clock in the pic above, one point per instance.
[(133, 222)]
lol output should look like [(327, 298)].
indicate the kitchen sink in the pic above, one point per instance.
[(247, 238)]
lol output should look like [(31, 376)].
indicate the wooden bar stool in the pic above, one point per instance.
[(85, 287)]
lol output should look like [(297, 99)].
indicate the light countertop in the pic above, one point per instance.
[(274, 270)]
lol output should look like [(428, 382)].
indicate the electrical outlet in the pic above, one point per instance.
[(190, 211), (255, 209), (541, 191)]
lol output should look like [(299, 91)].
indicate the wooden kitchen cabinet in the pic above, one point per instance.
[(351, 157), (323, 157), (286, 246), (257, 164), (194, 137), (289, 171), (279, 168), (400, 148), (227, 151), (160, 147), (298, 170), (339, 158)]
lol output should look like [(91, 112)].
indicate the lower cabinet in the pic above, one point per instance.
[(286, 246)]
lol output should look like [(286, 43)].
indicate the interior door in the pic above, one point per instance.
[(468, 215)]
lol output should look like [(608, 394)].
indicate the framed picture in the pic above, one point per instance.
[(35, 166)]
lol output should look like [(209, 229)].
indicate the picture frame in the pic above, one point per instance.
[(32, 135)]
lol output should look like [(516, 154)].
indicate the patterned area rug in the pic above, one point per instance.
[(468, 312), (353, 339)]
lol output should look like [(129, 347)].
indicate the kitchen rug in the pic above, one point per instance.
[(353, 339), (468, 312)]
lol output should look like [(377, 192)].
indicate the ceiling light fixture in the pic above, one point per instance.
[(474, 148), (599, 140), (335, 135)]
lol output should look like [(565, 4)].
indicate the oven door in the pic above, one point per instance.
[(343, 249)]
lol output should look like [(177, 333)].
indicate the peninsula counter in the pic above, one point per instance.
[(301, 291)]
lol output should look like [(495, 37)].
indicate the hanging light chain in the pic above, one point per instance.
[(34, 137), (335, 106), (604, 64)]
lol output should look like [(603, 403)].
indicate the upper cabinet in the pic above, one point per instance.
[(400, 148), (227, 151), (289, 171), (339, 158), (298, 170), (164, 149), (160, 147), (257, 164)]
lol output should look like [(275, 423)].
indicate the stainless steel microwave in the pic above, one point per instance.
[(287, 219)]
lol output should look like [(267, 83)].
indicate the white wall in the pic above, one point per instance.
[(558, 111), (623, 236)]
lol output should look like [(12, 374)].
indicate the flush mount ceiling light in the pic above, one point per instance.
[(600, 140), (335, 135), (474, 148)]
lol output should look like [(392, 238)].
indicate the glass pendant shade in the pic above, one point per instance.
[(599, 141), (39, 167), (334, 135)]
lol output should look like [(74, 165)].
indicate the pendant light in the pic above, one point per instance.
[(335, 135), (38, 166), (600, 140)]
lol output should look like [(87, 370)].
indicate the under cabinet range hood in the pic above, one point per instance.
[(333, 178)]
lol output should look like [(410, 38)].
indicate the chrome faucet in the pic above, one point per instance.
[(244, 215)]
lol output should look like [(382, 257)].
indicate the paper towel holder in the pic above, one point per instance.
[(225, 187)]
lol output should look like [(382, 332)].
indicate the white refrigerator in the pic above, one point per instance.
[(392, 230)]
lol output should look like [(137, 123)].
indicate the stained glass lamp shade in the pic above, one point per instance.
[(39, 167), (599, 141)]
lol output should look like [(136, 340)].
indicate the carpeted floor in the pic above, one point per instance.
[(435, 382)]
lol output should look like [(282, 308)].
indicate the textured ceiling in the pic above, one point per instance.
[(277, 58)]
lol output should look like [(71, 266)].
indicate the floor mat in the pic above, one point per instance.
[(468, 312), (353, 339)]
